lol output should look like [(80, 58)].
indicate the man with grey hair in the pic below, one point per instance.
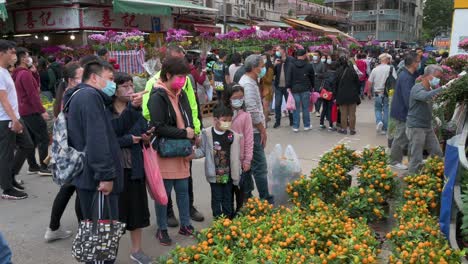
[(377, 80), (419, 121), (255, 69), (399, 110)]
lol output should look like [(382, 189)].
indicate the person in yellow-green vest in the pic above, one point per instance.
[(178, 52)]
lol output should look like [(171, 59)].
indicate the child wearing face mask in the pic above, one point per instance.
[(221, 148)]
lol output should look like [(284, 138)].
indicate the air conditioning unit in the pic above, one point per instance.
[(229, 9), (371, 12), (209, 3), (381, 12), (261, 13)]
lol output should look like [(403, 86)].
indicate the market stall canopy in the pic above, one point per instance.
[(3, 11), (305, 24), (272, 24), (238, 26), (155, 7), (204, 28)]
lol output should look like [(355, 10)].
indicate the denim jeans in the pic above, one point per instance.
[(362, 85), (5, 252), (221, 199), (381, 110), (182, 196), (259, 171), (279, 93), (302, 101)]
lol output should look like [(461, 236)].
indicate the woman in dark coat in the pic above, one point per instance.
[(347, 95)]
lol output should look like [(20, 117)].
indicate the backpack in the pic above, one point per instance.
[(389, 83), (66, 162)]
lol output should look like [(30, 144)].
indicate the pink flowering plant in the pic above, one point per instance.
[(463, 44), (457, 63), (118, 41)]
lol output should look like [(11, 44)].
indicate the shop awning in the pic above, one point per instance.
[(155, 7), (303, 23), (238, 26), (202, 28), (272, 24), (3, 11)]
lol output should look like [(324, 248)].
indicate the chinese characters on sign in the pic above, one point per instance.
[(97, 18), (102, 18), (47, 19)]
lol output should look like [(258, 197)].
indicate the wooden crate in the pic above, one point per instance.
[(207, 109)]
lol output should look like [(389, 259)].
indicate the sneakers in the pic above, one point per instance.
[(187, 230), (343, 131), (276, 125), (332, 129), (34, 169), (383, 133), (352, 132), (322, 127), (163, 237), (307, 128), (140, 258), (379, 127), (295, 130), (13, 194), (17, 186), (195, 215), (172, 221), (399, 166), (57, 234), (45, 172)]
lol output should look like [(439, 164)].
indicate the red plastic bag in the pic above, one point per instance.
[(291, 103), (154, 179), (334, 113)]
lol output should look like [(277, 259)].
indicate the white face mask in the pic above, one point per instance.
[(315, 58), (323, 60), (29, 61)]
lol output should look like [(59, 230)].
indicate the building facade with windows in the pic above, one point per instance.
[(384, 20)]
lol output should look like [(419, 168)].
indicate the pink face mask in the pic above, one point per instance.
[(178, 82)]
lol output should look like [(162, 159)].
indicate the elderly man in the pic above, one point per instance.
[(419, 121), (377, 80), (399, 109), (255, 68)]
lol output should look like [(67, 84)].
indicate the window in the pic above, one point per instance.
[(366, 27)]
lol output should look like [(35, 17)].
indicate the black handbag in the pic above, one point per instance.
[(98, 239), (171, 148)]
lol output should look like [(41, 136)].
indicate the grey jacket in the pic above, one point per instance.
[(253, 101), (206, 150), (420, 107)]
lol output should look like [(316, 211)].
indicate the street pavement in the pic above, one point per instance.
[(23, 223)]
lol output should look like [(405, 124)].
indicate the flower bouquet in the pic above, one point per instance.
[(463, 44)]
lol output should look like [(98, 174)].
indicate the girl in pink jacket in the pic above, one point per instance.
[(241, 124)]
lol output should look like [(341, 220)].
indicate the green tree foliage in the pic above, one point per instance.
[(437, 17), (320, 2)]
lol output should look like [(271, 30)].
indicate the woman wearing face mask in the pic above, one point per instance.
[(72, 75), (241, 124), (133, 201), (171, 115), (266, 86), (319, 70)]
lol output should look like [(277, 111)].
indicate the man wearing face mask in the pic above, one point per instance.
[(255, 68), (92, 130), (419, 121), (31, 110), (319, 70), (282, 64), (300, 81)]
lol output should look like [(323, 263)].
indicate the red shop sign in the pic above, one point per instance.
[(45, 19)]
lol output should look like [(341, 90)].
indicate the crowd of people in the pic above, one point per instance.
[(111, 124)]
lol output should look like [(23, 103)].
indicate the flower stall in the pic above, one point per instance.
[(126, 48)]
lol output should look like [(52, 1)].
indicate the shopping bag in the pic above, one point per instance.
[(325, 94), (334, 113), (98, 239), (314, 97), (450, 174), (283, 169), (291, 103), (154, 179)]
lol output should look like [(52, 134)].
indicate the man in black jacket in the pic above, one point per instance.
[(282, 64), (91, 131), (300, 81)]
